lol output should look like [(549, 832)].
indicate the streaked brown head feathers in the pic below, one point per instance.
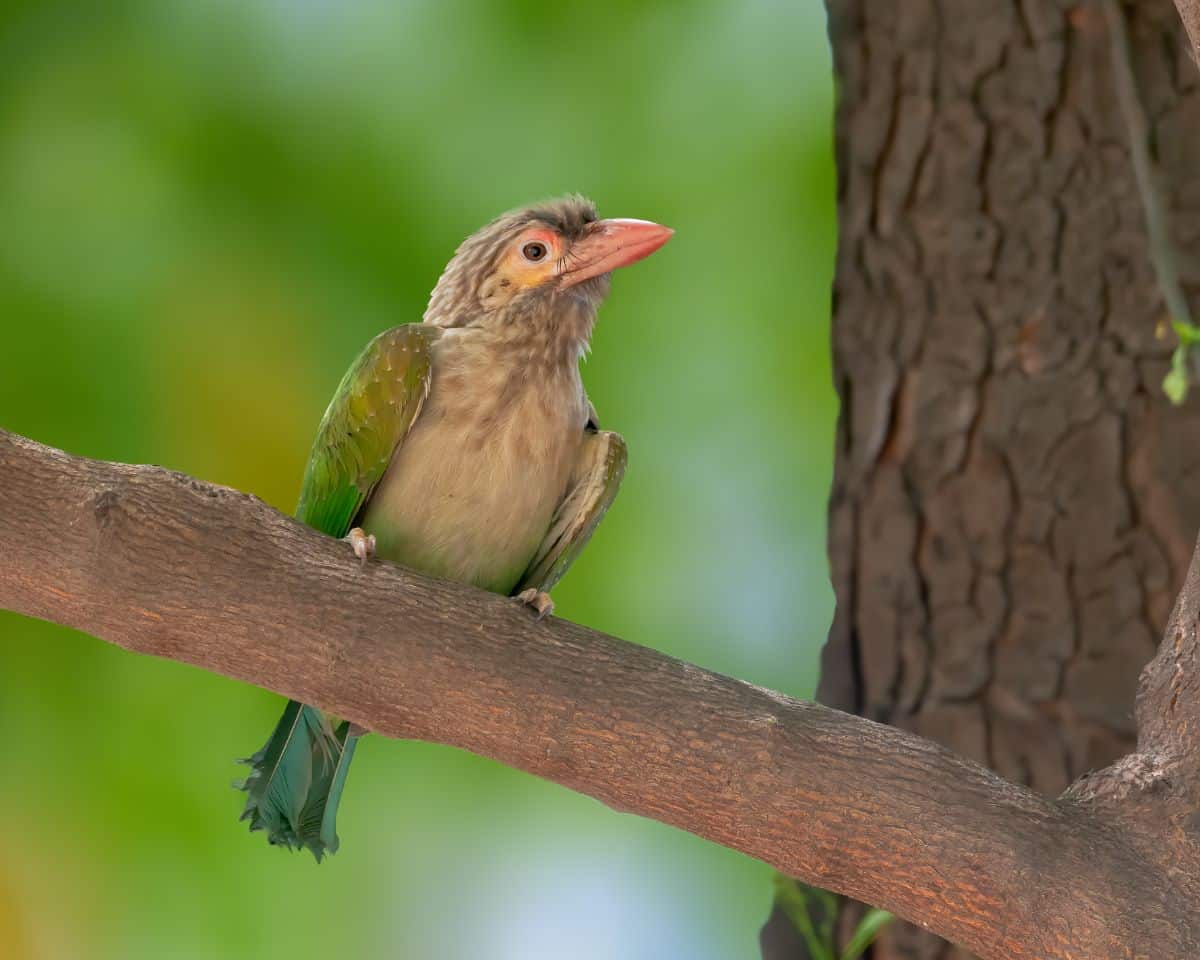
[(476, 282), (550, 258)]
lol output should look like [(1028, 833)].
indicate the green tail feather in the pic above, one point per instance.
[(296, 781)]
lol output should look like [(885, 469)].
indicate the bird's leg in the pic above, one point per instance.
[(539, 600), (362, 542)]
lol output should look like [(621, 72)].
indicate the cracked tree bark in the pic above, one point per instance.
[(1015, 500)]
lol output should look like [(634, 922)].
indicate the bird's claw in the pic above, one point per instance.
[(363, 544), (539, 600)]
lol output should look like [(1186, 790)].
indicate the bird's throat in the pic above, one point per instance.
[(548, 332)]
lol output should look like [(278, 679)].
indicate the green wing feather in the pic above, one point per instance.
[(326, 809), (368, 418), (597, 478), (296, 779)]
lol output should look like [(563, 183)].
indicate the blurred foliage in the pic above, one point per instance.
[(814, 912), (206, 208)]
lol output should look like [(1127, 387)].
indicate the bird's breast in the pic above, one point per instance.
[(471, 491)]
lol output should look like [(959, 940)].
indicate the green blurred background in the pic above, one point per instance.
[(206, 209)]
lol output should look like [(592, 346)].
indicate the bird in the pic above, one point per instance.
[(464, 447)]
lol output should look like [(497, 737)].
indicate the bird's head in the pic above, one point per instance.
[(548, 263)]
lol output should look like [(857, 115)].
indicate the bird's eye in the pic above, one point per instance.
[(534, 251)]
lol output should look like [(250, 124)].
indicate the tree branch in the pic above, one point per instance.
[(1189, 13), (160, 563)]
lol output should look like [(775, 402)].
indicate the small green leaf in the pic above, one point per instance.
[(797, 901), (794, 899), (829, 913), (1186, 332), (865, 933), (1175, 383)]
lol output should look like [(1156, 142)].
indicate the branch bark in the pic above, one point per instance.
[(160, 563), (1189, 13)]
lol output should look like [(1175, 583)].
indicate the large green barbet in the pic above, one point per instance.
[(465, 447)]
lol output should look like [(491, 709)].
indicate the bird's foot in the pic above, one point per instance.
[(363, 544), (537, 599)]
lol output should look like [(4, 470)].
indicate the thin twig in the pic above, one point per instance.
[(1162, 251)]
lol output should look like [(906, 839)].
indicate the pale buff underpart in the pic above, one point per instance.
[(471, 491)]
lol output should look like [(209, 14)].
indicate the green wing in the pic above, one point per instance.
[(368, 418), (597, 477), (296, 779)]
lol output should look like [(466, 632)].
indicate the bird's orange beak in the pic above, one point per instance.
[(610, 244)]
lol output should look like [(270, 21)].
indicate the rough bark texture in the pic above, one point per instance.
[(1015, 500), (1189, 12), (163, 564)]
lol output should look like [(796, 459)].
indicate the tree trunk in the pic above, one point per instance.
[(1014, 501)]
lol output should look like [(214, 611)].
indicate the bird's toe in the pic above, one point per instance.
[(363, 544), (539, 600)]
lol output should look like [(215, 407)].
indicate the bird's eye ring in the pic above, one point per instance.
[(534, 251)]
